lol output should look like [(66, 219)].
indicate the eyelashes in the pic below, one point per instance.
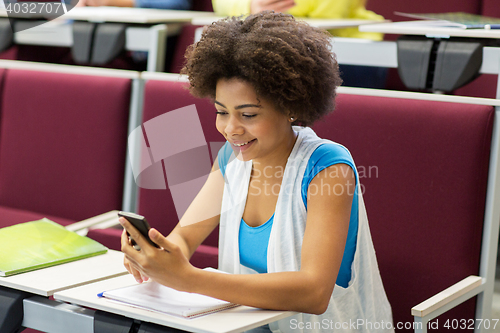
[(223, 113)]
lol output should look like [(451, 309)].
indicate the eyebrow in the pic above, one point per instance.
[(242, 106)]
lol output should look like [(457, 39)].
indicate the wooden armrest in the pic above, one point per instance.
[(106, 218), (446, 296)]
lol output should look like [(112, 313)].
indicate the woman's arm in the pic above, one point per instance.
[(231, 7), (308, 290), (245, 7), (199, 220)]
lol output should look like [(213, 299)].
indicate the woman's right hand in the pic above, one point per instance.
[(257, 6)]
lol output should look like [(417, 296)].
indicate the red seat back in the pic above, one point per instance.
[(386, 8), (63, 142), (490, 8), (2, 76), (203, 5), (184, 40), (423, 167)]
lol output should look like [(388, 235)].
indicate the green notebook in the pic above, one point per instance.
[(39, 244)]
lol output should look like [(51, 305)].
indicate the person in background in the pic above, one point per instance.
[(293, 229), (324, 9), (353, 76)]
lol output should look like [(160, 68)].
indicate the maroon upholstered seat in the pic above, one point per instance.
[(2, 75), (203, 5), (423, 167), (386, 8), (184, 40), (490, 8), (62, 144), (10, 53), (10, 216), (186, 36)]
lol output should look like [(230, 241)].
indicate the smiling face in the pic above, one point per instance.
[(252, 125)]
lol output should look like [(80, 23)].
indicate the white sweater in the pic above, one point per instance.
[(362, 306)]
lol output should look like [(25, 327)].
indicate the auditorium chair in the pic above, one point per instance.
[(63, 138)]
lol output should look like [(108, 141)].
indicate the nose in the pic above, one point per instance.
[(233, 127)]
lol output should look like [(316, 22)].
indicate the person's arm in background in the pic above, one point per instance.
[(231, 7), (326, 9), (115, 3), (245, 7), (164, 4), (339, 9)]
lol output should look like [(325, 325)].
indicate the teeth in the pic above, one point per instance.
[(241, 144)]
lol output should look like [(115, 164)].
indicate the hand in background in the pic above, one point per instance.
[(257, 6)]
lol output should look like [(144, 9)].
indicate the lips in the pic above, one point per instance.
[(241, 144)]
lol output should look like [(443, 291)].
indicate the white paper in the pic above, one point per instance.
[(156, 297)]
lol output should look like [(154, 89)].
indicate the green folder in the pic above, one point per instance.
[(39, 244)]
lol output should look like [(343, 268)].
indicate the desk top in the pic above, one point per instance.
[(319, 23), (127, 15), (132, 15), (47, 281), (232, 320), (426, 28)]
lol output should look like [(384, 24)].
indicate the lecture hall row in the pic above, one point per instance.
[(424, 171), (484, 86), (63, 155)]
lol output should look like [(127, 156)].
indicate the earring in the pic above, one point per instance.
[(292, 119)]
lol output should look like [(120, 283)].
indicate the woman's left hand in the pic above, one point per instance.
[(166, 265)]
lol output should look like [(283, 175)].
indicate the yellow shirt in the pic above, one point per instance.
[(334, 9)]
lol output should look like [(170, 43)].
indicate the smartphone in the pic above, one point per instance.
[(140, 223)]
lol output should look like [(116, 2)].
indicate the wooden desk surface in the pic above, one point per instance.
[(47, 281), (133, 15), (232, 320), (127, 15), (426, 28)]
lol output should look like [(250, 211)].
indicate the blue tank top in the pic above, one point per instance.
[(253, 241)]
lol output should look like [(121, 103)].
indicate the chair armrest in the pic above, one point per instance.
[(459, 292), (105, 220)]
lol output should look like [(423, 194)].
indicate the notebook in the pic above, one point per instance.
[(43, 243), (156, 297), (458, 20)]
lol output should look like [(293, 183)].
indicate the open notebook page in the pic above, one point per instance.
[(156, 297)]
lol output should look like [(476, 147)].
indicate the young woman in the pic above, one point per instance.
[(286, 201)]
